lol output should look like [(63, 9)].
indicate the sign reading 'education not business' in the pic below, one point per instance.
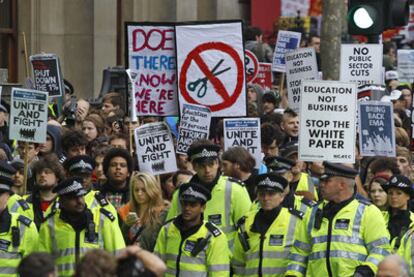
[(327, 122)]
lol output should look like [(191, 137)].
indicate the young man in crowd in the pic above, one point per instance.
[(74, 143)]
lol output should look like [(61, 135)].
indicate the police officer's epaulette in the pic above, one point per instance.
[(237, 181), (308, 202), (296, 213), (23, 204), (213, 229), (101, 199), (25, 220), (107, 213), (364, 201), (241, 221)]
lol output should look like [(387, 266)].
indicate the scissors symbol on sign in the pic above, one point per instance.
[(192, 86)]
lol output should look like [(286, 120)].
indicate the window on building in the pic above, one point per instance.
[(8, 38)]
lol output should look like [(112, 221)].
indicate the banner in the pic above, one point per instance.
[(286, 41), (405, 65), (194, 125), (300, 65), (244, 132), (47, 74), (210, 66), (361, 64), (28, 115), (291, 7), (264, 77), (376, 129), (151, 53), (327, 122), (155, 148)]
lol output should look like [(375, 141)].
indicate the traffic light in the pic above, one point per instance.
[(372, 17)]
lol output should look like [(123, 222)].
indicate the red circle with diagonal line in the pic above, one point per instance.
[(194, 55)]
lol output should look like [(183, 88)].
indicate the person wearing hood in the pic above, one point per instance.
[(52, 144)]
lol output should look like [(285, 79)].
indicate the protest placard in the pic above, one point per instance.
[(405, 65), (292, 7), (47, 74), (251, 65), (155, 148), (28, 115), (300, 65), (376, 129), (194, 125), (327, 121), (361, 64), (210, 66), (244, 132), (151, 53), (286, 41), (264, 77)]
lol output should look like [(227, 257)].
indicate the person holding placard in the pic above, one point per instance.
[(229, 198)]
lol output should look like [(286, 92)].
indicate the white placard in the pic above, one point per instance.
[(361, 64), (300, 65), (291, 7), (155, 148), (210, 66), (406, 65), (151, 53), (28, 115), (286, 41), (244, 132), (194, 125), (327, 122)]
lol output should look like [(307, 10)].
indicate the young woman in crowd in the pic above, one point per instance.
[(93, 126), (376, 193), (145, 212)]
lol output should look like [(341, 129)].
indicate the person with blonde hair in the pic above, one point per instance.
[(145, 212)]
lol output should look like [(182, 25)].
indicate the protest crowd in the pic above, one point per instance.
[(108, 194)]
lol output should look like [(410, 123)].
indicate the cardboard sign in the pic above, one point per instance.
[(376, 129), (47, 74), (210, 65), (155, 148), (251, 65), (264, 77), (286, 41), (405, 65), (300, 65), (327, 122), (194, 125), (151, 53), (361, 64), (244, 132), (28, 115)]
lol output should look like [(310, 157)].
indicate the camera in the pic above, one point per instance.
[(133, 267), (70, 111)]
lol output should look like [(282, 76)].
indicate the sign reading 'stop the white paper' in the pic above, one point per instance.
[(28, 115), (300, 65), (327, 122), (361, 64)]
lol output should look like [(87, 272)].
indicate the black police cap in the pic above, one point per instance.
[(203, 153), (271, 181), (194, 192), (340, 170), (278, 164)]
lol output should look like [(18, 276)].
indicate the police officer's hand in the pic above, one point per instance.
[(132, 219)]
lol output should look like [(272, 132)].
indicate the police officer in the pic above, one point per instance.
[(341, 236), (74, 229), (229, 198), (266, 236), (189, 245), (282, 167), (82, 166), (18, 233)]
